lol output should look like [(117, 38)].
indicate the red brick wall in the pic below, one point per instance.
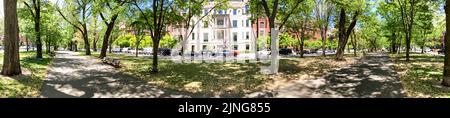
[(266, 28)]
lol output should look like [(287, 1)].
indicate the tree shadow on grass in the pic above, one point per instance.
[(207, 79), (371, 78), (201, 79), (422, 75), (94, 83), (179, 80), (425, 81), (316, 67)]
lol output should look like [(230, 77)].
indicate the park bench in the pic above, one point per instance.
[(111, 61)]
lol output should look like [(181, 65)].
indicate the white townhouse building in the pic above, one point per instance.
[(223, 29)]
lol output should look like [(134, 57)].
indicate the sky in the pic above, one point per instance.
[(1, 9)]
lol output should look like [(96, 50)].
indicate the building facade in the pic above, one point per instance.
[(263, 25), (222, 29)]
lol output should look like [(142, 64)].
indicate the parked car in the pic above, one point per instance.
[(285, 51), (304, 52), (330, 51), (115, 50), (441, 51), (147, 51), (313, 51), (125, 50), (264, 52), (206, 52), (164, 51)]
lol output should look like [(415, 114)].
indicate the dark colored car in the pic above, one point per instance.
[(313, 51), (442, 51), (164, 51), (285, 51), (305, 52)]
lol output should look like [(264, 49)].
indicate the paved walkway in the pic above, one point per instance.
[(372, 77), (80, 76)]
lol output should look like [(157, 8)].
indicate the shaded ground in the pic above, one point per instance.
[(372, 77), (422, 75), (203, 80), (74, 75), (79, 76)]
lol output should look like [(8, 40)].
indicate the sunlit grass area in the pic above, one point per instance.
[(422, 76), (224, 79), (30, 82)]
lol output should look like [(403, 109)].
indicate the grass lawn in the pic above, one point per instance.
[(30, 82), (422, 76), (224, 80)]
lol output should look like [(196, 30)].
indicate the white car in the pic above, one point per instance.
[(264, 52), (125, 50), (148, 51), (116, 50)]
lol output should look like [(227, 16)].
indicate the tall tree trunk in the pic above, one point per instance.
[(399, 44), (137, 46), (11, 60), (422, 46), (75, 46), (70, 46), (273, 33), (446, 79), (155, 56), (256, 39), (341, 46), (137, 50), (324, 41), (344, 32), (38, 39), (107, 35), (409, 30), (94, 45), (408, 45), (393, 43), (302, 46), (28, 44), (274, 46), (37, 21), (87, 46), (110, 44), (354, 48)]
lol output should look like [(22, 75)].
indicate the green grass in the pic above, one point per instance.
[(212, 79), (422, 76), (208, 79), (28, 84)]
